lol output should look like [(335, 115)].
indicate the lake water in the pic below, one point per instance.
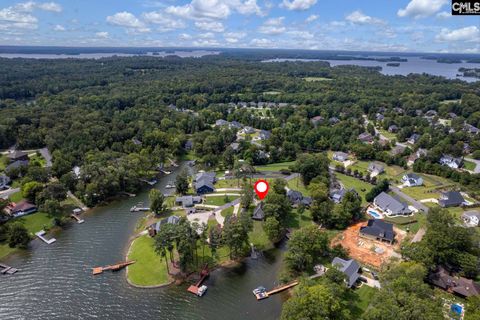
[(413, 65), (56, 281), (160, 54)]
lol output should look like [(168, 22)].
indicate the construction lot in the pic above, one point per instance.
[(366, 251)]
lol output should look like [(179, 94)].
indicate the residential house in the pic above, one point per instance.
[(430, 113), (350, 268), (77, 172), (264, 135), (413, 138), (17, 155), (471, 218), (248, 130), (4, 181), (16, 165), (235, 146), (188, 201), (398, 150), (297, 198), (340, 156), (451, 162), (21, 208), (393, 128), (378, 230), (235, 125), (460, 286), (316, 120), (155, 227), (470, 129), (203, 182), (221, 123), (188, 145), (416, 155), (365, 137), (418, 112), (391, 206), (451, 115), (379, 117), (398, 110), (451, 199), (375, 168), (412, 180), (258, 213), (172, 107), (333, 120)]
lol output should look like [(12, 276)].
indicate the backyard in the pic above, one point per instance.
[(360, 186)]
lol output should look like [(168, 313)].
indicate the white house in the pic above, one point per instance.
[(471, 218), (412, 180), (451, 162), (340, 156)]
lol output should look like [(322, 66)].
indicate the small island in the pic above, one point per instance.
[(393, 64), (470, 72)]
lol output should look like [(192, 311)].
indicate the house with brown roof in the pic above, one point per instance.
[(460, 286), (21, 208)]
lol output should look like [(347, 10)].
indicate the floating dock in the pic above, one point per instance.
[(138, 209), (4, 269), (75, 217), (113, 267), (203, 275), (40, 235)]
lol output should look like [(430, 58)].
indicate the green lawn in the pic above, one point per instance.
[(227, 212), (361, 187), (296, 220), (5, 250), (275, 166), (228, 183), (412, 223), (3, 162), (468, 165), (16, 197), (297, 184), (219, 200), (35, 222), (387, 134), (258, 237), (149, 269), (35, 158), (362, 298), (394, 173)]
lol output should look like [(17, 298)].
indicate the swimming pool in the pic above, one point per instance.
[(374, 214), (456, 308)]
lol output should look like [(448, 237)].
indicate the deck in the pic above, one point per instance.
[(4, 269), (75, 217), (40, 235), (203, 275)]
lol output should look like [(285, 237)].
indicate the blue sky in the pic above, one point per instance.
[(402, 25)]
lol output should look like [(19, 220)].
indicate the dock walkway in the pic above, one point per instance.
[(113, 267), (40, 235), (75, 217), (4, 269)]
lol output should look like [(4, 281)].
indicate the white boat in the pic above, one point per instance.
[(170, 185), (201, 291)]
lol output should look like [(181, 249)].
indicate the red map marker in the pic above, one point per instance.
[(261, 188)]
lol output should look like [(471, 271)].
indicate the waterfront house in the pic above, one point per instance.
[(258, 213), (471, 129), (188, 201), (430, 113), (451, 199), (412, 180), (297, 198), (391, 206), (350, 268), (340, 156), (21, 208), (378, 230), (17, 155), (413, 138), (204, 182), (155, 227), (365, 137), (451, 162), (4, 181), (460, 286), (393, 128), (471, 218), (375, 168)]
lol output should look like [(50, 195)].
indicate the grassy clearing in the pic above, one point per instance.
[(297, 220), (468, 165), (16, 197), (275, 166), (362, 298), (219, 200), (5, 250), (314, 79), (393, 173), (412, 223), (228, 183), (3, 162), (258, 237), (421, 192), (297, 184), (387, 134), (149, 269), (361, 187), (35, 222)]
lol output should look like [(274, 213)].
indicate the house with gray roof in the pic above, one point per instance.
[(340, 156), (204, 182), (235, 125), (393, 128), (17, 155), (188, 201), (235, 146), (375, 168), (221, 123), (350, 268), (413, 138), (365, 137), (258, 213), (155, 227), (248, 130), (391, 206), (297, 198), (471, 129), (398, 150), (16, 165), (451, 199), (471, 218), (333, 120), (379, 230), (264, 135), (412, 180)]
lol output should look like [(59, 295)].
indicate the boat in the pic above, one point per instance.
[(260, 293), (170, 185), (201, 290), (166, 172)]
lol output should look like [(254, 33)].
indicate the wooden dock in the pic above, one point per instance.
[(40, 235), (203, 275), (4, 269), (113, 267), (282, 288), (75, 217)]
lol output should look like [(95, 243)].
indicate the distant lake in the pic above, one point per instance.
[(413, 65), (159, 54)]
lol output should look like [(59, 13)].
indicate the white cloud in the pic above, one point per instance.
[(213, 26), (261, 43), (312, 18), (50, 6), (206, 43), (129, 21), (469, 34), (185, 36), (301, 34), (11, 18), (214, 9), (358, 17), (102, 35), (298, 4), (166, 22), (234, 37), (273, 26), (444, 15), (59, 27), (30, 6), (421, 8)]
